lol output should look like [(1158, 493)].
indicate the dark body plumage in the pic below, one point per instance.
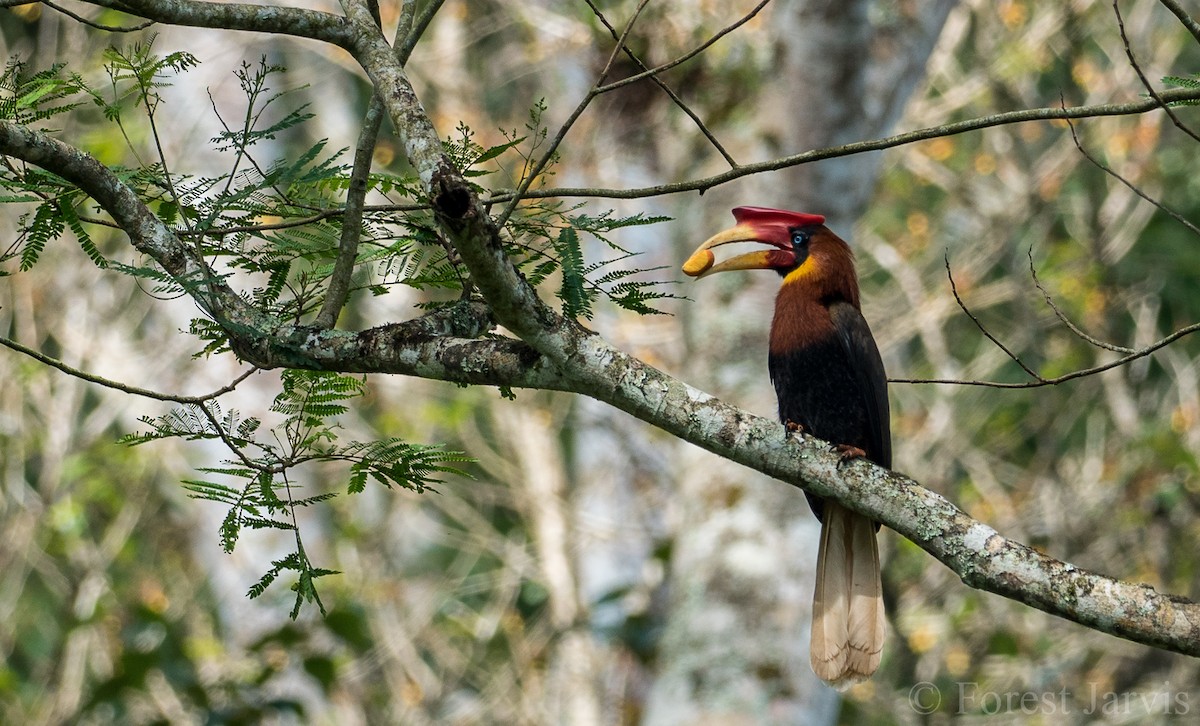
[(833, 383)]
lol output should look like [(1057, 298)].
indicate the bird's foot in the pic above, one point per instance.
[(793, 427), (848, 452)]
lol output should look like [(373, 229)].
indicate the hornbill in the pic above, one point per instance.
[(830, 383)]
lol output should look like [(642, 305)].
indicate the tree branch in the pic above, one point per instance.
[(338, 290), (117, 385), (1142, 76), (700, 125), (301, 23), (544, 160), (703, 184), (94, 24), (983, 329), (686, 56), (1038, 379), (1188, 22), (1130, 185), (1079, 332)]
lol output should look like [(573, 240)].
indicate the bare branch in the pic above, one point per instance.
[(1139, 353), (703, 184), (94, 24), (1065, 320), (689, 55), (536, 170), (343, 267), (1142, 76), (338, 289), (417, 28), (356, 194), (122, 387), (712, 139), (1133, 188), (239, 16), (983, 329)]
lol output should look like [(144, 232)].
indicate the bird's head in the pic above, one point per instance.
[(804, 250)]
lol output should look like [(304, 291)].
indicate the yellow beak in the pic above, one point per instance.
[(701, 261)]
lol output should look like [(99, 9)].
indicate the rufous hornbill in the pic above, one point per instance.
[(830, 383)]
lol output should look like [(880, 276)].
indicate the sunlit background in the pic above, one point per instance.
[(593, 570)]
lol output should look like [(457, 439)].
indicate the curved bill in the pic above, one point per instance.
[(701, 263)]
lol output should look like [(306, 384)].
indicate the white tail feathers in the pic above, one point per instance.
[(848, 624)]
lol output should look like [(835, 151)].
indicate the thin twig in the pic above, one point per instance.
[(548, 155), (703, 184), (94, 24), (1140, 353), (1146, 81), (288, 224), (1016, 359), (1107, 170), (667, 90), (1066, 321), (686, 56), (123, 387)]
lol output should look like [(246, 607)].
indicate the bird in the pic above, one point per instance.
[(830, 382)]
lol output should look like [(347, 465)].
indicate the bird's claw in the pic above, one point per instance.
[(848, 452), (793, 427)]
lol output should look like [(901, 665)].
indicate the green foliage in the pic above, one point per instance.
[(137, 74), (550, 242), (273, 224), (1192, 82), (264, 492), (28, 99), (277, 222)]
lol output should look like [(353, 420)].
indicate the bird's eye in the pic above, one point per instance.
[(799, 238)]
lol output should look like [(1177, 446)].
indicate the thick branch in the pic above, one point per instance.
[(238, 16), (356, 196), (1188, 21), (441, 345)]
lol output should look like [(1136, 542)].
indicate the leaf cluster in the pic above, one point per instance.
[(1192, 82), (260, 483), (272, 224)]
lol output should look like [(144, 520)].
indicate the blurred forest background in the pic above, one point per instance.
[(573, 578)]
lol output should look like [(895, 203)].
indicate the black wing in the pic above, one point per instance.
[(859, 345)]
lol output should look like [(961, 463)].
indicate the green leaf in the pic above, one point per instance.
[(47, 224), (573, 291), (495, 151), (85, 240)]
